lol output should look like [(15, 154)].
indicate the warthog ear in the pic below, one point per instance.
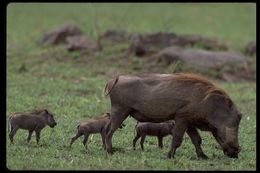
[(108, 114)]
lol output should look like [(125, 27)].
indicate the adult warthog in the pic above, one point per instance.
[(189, 99)]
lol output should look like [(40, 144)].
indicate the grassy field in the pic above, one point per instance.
[(71, 85)]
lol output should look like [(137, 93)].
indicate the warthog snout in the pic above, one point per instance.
[(232, 151), (53, 125), (50, 120)]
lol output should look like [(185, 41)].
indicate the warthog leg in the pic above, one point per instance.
[(160, 141), (196, 140), (85, 140), (12, 133), (75, 138), (103, 136), (135, 139), (177, 135), (38, 133), (118, 115), (142, 141), (29, 135)]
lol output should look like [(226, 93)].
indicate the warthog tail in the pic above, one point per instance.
[(9, 119), (77, 129), (109, 90)]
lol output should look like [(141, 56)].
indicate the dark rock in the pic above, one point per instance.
[(156, 41), (203, 42), (200, 58), (81, 43), (60, 34), (251, 48), (159, 39), (115, 36), (141, 45)]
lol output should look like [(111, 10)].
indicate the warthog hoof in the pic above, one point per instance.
[(203, 157), (109, 152), (169, 156)]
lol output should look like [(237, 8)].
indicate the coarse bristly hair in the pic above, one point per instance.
[(199, 81), (38, 111), (204, 83)]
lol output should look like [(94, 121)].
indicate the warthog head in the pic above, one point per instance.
[(50, 119), (226, 119)]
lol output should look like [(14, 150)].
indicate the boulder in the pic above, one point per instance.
[(200, 58), (142, 44), (156, 41), (75, 43), (251, 48), (204, 42), (115, 36), (60, 34)]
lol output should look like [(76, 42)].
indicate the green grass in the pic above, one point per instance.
[(71, 85)]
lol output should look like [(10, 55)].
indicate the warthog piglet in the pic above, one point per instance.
[(152, 129), (92, 126), (34, 121)]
